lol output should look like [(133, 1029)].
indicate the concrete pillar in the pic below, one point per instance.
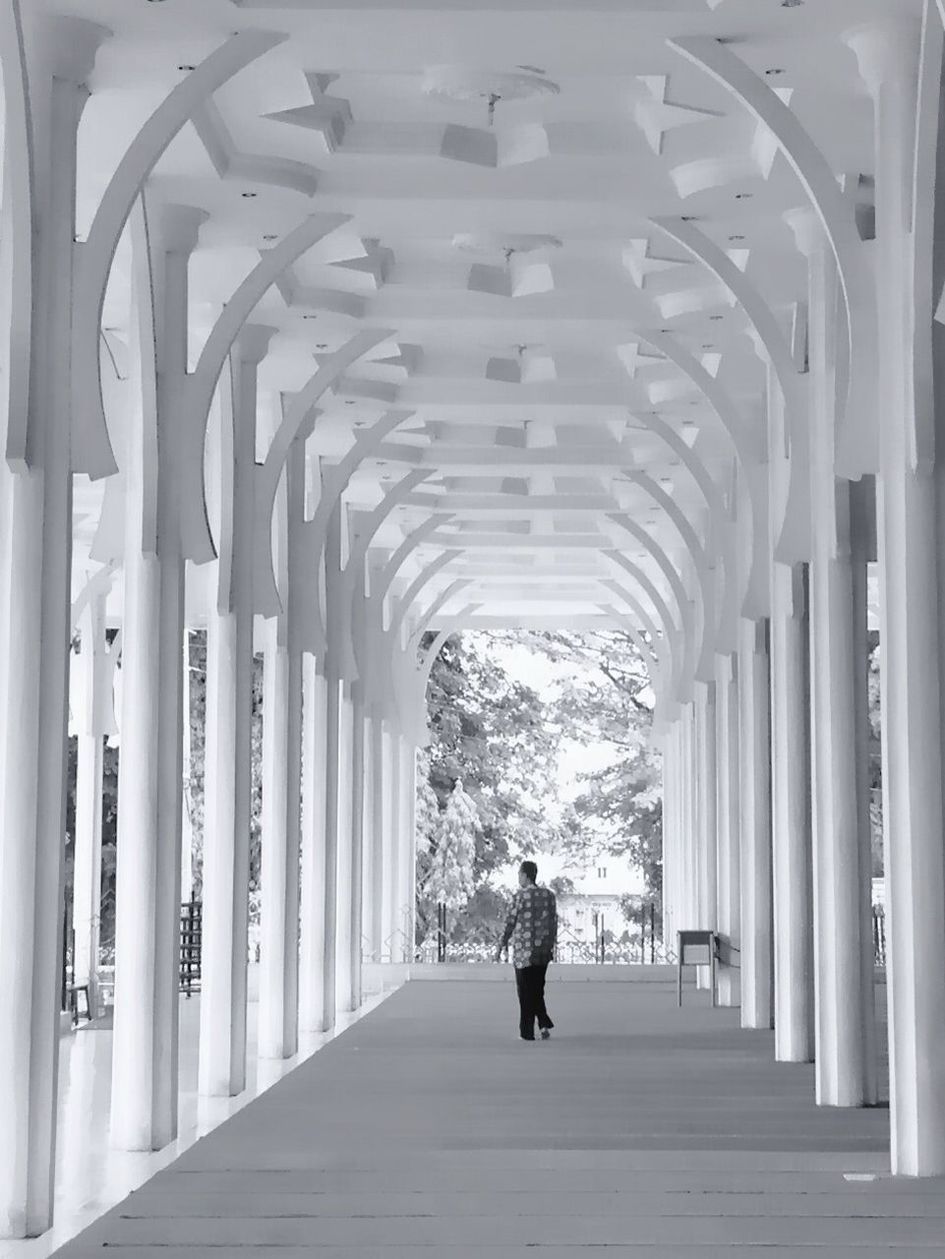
[(755, 824), (669, 851), (728, 909), (147, 922), (844, 1006), (408, 861), (912, 582), (312, 1008), (36, 539), (334, 809), (791, 816), (372, 880), (91, 713), (393, 787), (282, 783), (707, 785), (360, 862), (279, 867), (186, 825), (345, 843), (228, 756)]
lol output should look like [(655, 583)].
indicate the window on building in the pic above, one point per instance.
[(602, 872)]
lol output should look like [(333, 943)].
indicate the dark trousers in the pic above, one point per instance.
[(530, 982)]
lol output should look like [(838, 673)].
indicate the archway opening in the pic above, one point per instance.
[(541, 746)]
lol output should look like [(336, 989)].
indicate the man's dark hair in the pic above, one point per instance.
[(529, 869)]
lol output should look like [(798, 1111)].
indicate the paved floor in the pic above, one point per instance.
[(428, 1127)]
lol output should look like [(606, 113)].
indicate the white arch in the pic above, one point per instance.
[(94, 256)]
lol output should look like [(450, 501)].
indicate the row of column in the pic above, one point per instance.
[(794, 767)]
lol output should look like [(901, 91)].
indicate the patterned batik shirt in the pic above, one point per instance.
[(532, 926)]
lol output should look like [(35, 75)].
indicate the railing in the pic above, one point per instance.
[(641, 944)]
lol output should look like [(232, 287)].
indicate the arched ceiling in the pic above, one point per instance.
[(502, 166)]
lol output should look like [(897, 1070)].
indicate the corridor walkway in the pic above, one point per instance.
[(639, 1129)]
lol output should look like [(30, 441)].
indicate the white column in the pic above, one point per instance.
[(668, 858), (147, 923), (360, 864), (334, 809), (344, 993), (393, 853), (312, 1003), (728, 824), (408, 861), (228, 757), (707, 785), (843, 1002), (755, 825), (87, 870), (36, 537), (910, 556), (371, 877), (186, 826), (791, 817), (276, 1038)]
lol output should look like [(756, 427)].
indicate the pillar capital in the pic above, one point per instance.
[(885, 51), (69, 46), (808, 230), (176, 227), (252, 344)]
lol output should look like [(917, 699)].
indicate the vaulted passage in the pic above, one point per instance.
[(331, 327)]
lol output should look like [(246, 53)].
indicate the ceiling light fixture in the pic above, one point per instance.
[(187, 68), (775, 70), (248, 194), (716, 318), (270, 236), (791, 4), (736, 237), (309, 316), (739, 196)]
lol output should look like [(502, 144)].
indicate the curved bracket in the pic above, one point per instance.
[(93, 257), (447, 593), (656, 676), (671, 632), (750, 450), (705, 665), (296, 415), (683, 602), (100, 583), (425, 576), (720, 537), (836, 215), (760, 315), (200, 384)]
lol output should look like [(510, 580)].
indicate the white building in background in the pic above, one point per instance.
[(598, 885)]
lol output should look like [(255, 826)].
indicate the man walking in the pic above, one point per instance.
[(532, 926)]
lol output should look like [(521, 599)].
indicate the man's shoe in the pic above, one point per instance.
[(546, 1033), (526, 1038)]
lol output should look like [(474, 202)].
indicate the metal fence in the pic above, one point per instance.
[(639, 944)]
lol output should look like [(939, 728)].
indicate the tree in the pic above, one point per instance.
[(450, 878), (496, 737), (609, 700)]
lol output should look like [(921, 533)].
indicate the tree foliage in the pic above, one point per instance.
[(503, 741)]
